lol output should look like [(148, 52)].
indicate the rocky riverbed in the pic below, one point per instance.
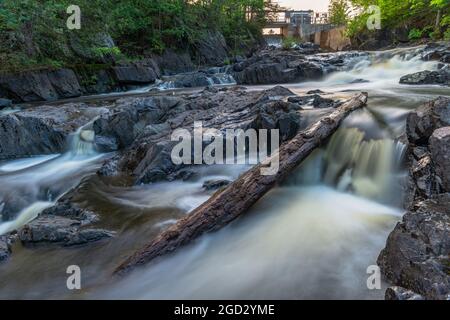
[(123, 143)]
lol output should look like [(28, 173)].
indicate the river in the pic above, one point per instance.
[(314, 236)]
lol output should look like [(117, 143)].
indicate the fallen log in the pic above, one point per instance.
[(225, 206)]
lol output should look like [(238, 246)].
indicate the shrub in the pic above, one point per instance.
[(415, 34)]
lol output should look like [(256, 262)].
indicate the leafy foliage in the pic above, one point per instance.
[(33, 32)]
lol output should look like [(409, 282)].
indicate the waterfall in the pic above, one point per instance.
[(82, 142), (367, 168)]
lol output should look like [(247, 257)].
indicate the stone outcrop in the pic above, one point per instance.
[(417, 252), (42, 130), (64, 224), (441, 77), (147, 159), (284, 66)]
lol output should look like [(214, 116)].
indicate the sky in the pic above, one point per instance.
[(316, 5)]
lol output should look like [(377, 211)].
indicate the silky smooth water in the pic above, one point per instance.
[(314, 236)]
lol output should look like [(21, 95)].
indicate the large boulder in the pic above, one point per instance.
[(134, 74), (417, 252), (40, 85), (422, 122), (441, 77)]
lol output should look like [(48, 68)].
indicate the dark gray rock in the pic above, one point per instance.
[(148, 158), (192, 80), (45, 85), (65, 83), (315, 101), (42, 130), (421, 123), (124, 123), (215, 184), (28, 86), (441, 77), (440, 153), (60, 230), (134, 74), (416, 255), (211, 49)]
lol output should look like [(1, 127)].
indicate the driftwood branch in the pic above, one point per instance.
[(225, 206)]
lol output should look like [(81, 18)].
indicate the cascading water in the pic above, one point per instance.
[(31, 185), (314, 236)]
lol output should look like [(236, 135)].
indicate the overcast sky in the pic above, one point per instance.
[(316, 5)]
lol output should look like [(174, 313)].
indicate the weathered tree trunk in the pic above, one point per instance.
[(238, 197)]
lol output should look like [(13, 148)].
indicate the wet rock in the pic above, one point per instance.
[(441, 77), (275, 93), (129, 118), (277, 66), (317, 91), (440, 153), (215, 184), (307, 48), (421, 123), (42, 130), (5, 103), (5, 249), (436, 51), (192, 80), (148, 158), (416, 255), (359, 81), (399, 293), (315, 101), (65, 224), (60, 230)]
